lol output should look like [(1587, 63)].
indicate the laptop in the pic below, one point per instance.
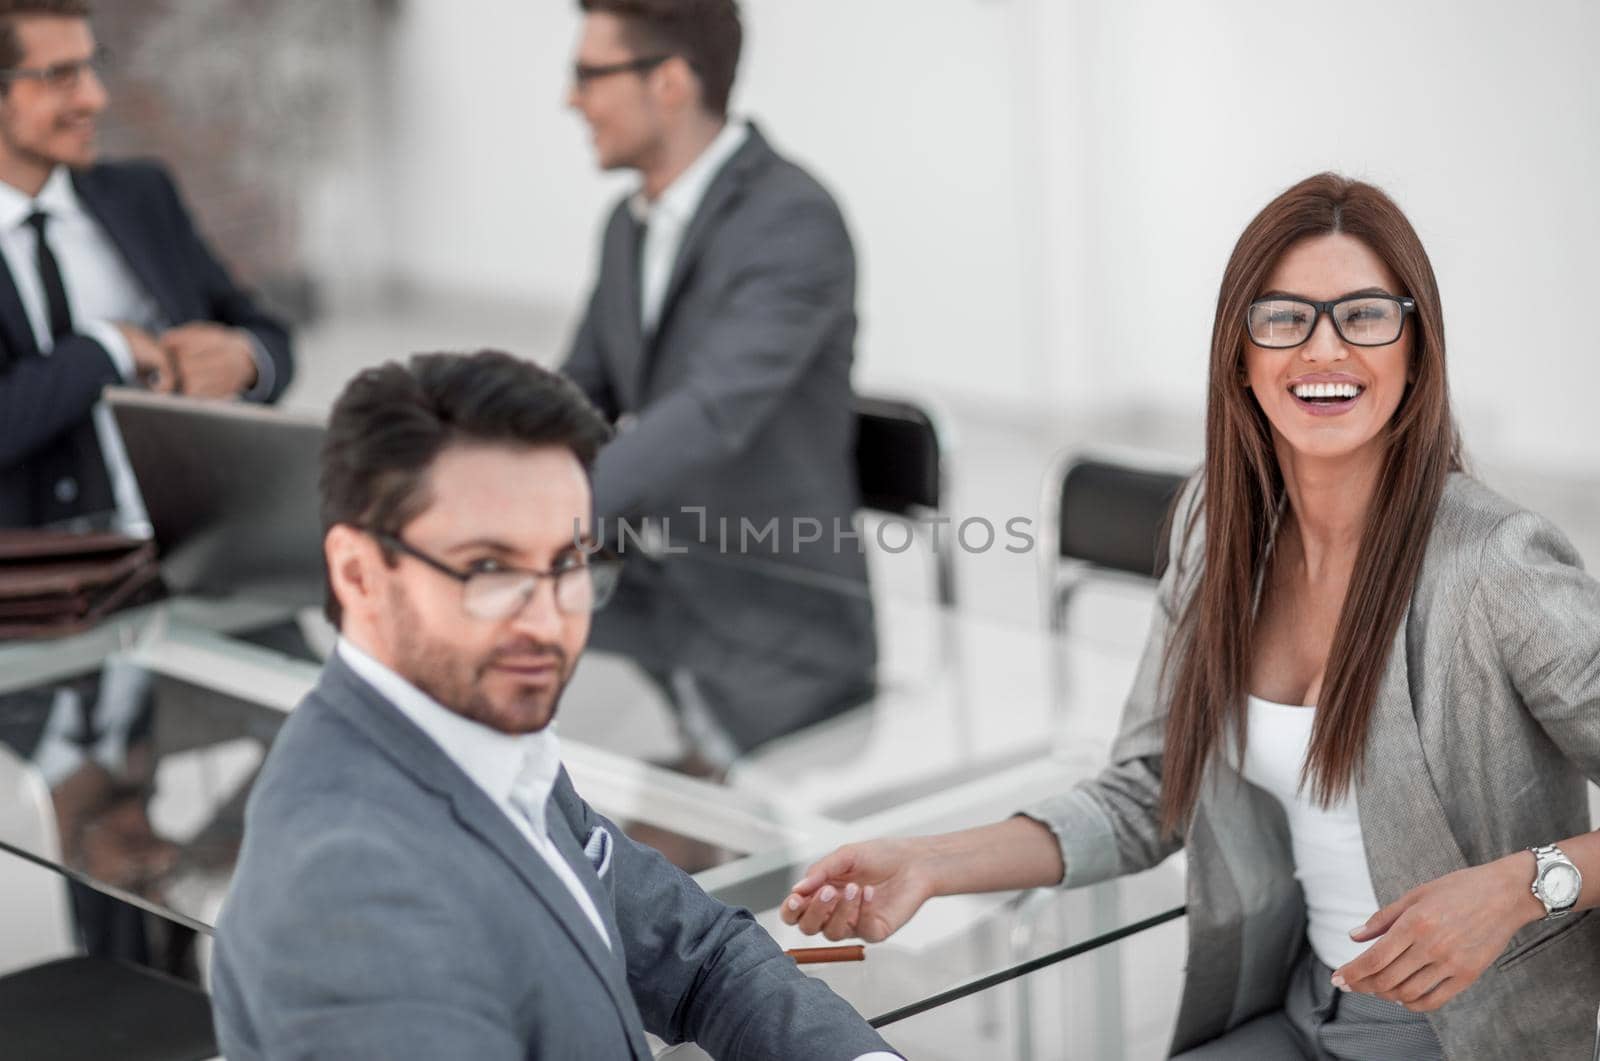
[(231, 493)]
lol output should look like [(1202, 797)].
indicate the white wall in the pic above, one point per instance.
[(909, 112), (1044, 192), (910, 126), (494, 192), (1481, 118)]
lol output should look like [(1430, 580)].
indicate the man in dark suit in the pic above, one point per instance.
[(720, 338), (103, 280), (419, 878)]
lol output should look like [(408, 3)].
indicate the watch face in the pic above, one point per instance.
[(1560, 885)]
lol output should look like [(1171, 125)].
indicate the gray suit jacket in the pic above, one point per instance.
[(1487, 724), (739, 405), (384, 906)]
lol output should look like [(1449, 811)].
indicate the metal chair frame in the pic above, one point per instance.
[(1060, 578)]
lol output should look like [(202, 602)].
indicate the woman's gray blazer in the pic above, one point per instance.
[(1486, 724)]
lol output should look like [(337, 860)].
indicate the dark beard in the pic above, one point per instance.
[(458, 686)]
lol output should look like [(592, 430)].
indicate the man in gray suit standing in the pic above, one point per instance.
[(419, 879), (719, 339)]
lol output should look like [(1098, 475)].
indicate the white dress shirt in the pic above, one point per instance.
[(1330, 860), (101, 289), (669, 215), (497, 762)]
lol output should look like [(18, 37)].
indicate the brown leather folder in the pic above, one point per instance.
[(57, 582)]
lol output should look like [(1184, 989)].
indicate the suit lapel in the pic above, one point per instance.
[(475, 811), (139, 248), (1403, 824), (563, 832), (15, 330), (725, 191), (568, 843), (433, 770)]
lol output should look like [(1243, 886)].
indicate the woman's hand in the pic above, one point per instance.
[(1438, 938), (867, 890), (870, 889)]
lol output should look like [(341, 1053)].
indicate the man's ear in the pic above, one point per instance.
[(352, 558), (680, 87)]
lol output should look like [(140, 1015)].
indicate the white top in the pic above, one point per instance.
[(1330, 861), (511, 770), (101, 292), (669, 215)]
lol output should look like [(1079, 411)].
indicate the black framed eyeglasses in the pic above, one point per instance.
[(1283, 321), (583, 74), (582, 586), (63, 76)]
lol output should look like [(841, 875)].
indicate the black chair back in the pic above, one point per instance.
[(1115, 516), (897, 456)]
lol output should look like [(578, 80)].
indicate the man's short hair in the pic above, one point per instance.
[(705, 33), (392, 421), (12, 10)]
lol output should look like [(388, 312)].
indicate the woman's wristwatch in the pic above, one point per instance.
[(1556, 881)]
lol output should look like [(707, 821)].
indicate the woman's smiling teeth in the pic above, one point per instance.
[(1337, 392)]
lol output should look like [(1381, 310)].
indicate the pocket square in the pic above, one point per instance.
[(598, 850)]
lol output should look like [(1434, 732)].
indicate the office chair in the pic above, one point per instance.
[(900, 467), (76, 1006), (1104, 518)]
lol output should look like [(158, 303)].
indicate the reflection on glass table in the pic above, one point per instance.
[(1113, 1002), (1091, 973), (961, 705), (744, 650), (60, 998), (145, 776), (969, 719)]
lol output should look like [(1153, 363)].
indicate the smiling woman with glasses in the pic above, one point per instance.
[(1367, 708), (1366, 318)]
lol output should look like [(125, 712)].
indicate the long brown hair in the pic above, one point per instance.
[(1209, 658)]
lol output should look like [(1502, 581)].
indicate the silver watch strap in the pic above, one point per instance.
[(1544, 855)]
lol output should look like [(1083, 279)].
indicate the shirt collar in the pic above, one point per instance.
[(682, 197), (495, 761), (57, 198)]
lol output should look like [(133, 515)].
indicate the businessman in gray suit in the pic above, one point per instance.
[(418, 878), (719, 338)]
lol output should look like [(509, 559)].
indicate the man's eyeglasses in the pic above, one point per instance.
[(1281, 322), (583, 74), (494, 591), (60, 77)]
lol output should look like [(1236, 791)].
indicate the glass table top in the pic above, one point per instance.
[(146, 734)]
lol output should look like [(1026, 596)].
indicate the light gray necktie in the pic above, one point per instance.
[(530, 793), (530, 797)]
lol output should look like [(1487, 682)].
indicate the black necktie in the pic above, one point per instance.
[(55, 293)]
